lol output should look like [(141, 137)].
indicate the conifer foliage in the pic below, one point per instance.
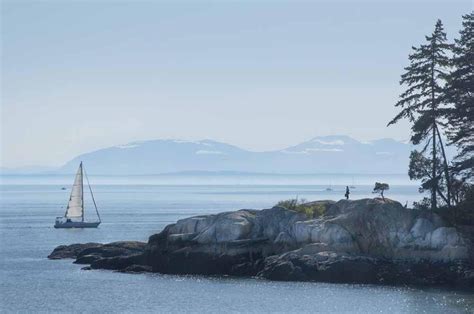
[(460, 93), (423, 103)]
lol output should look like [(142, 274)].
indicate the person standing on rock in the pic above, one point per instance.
[(347, 193)]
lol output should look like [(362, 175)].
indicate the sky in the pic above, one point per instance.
[(77, 76)]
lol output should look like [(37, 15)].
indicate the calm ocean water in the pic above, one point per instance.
[(133, 208)]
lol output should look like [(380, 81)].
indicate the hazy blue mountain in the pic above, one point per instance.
[(343, 154), (324, 154), (327, 154), (160, 156)]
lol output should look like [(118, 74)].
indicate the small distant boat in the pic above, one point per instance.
[(63, 188), (328, 189), (74, 216), (353, 185)]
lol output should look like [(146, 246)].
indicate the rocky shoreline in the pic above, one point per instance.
[(367, 241)]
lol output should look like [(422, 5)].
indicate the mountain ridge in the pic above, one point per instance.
[(321, 154)]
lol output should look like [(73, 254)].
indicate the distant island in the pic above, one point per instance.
[(369, 241), (324, 154)]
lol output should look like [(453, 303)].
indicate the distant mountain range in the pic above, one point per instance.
[(325, 154)]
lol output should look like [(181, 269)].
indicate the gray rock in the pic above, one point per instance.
[(71, 251), (87, 259), (363, 241), (115, 255), (421, 228), (444, 236), (136, 269), (227, 227), (120, 248)]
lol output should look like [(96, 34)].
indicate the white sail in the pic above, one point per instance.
[(75, 207)]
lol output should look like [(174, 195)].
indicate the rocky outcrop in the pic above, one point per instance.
[(226, 243), (363, 241), (383, 229), (311, 264), (71, 251), (116, 255)]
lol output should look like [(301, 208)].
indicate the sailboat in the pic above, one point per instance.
[(74, 216), (329, 188), (353, 185)]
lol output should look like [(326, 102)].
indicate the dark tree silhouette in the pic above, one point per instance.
[(460, 92), (423, 102), (420, 169), (380, 188)]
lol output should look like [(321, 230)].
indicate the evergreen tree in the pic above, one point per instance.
[(460, 92), (420, 169), (379, 188), (424, 99)]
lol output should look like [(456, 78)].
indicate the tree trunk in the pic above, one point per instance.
[(446, 170), (442, 196), (433, 170), (433, 173)]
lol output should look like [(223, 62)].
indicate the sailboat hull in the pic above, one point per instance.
[(76, 224)]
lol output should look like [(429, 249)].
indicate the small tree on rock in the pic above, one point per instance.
[(380, 188)]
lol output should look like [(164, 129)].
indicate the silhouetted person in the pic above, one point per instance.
[(347, 193)]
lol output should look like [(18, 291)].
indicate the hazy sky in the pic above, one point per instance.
[(78, 76)]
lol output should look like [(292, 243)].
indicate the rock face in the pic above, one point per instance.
[(363, 241), (383, 229), (71, 251), (116, 255)]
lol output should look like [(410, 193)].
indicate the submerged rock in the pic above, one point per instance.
[(361, 241)]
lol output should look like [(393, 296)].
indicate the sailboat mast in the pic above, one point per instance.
[(82, 190), (92, 194)]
